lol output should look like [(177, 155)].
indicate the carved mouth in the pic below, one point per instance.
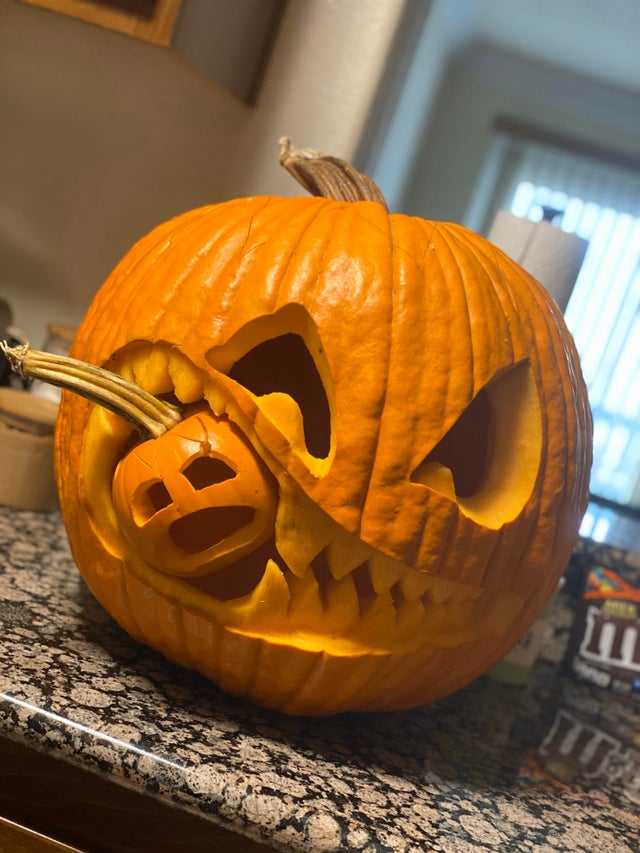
[(312, 579), (315, 581), (348, 593)]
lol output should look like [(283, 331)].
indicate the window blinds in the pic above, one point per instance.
[(600, 202)]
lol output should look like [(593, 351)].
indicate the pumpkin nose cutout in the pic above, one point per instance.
[(196, 499)]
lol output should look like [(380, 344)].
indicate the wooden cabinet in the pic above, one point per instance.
[(49, 806), (18, 839)]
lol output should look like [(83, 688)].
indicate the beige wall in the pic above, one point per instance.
[(104, 136)]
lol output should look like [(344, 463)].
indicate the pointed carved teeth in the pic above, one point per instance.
[(414, 585), (411, 614), (297, 552), (346, 553), (186, 378), (305, 606), (302, 532), (149, 368), (342, 604), (268, 603), (216, 400), (380, 618), (384, 572)]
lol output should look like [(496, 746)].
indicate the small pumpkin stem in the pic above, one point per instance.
[(328, 176), (149, 415)]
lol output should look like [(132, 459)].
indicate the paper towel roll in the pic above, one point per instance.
[(548, 253)]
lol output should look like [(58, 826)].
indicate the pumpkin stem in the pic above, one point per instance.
[(149, 415), (328, 176)]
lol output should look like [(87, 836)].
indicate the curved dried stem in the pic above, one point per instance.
[(327, 176), (149, 415)]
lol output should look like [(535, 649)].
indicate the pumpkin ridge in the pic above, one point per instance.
[(448, 234), (571, 447), (369, 212), (205, 261), (255, 213), (405, 283), (280, 223), (125, 597), (493, 555), (289, 272), (452, 404), (490, 256), (563, 365), (347, 220)]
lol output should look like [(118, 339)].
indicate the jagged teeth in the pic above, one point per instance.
[(150, 369), (332, 606), (186, 378), (342, 605), (302, 532), (270, 598), (384, 572), (410, 615), (216, 400), (379, 619), (345, 553), (298, 553), (440, 591), (414, 585), (305, 606)]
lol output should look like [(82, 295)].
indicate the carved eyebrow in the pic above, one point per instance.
[(465, 449)]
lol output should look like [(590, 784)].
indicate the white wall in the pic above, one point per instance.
[(430, 33), (104, 136), (320, 86), (570, 65), (484, 84)]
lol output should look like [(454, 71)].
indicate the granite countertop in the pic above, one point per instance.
[(552, 765)]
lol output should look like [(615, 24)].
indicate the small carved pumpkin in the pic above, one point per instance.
[(195, 499), (382, 462)]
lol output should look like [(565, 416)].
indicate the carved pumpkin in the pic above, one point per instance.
[(382, 463)]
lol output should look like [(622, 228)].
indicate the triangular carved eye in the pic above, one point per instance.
[(280, 369), (488, 460), (466, 449)]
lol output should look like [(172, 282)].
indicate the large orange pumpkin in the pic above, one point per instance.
[(380, 464)]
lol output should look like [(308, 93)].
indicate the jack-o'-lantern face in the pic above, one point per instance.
[(381, 466)]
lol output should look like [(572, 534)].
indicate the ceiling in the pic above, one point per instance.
[(595, 38)]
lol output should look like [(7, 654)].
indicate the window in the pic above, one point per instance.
[(600, 202)]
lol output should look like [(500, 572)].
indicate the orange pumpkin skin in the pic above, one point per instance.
[(420, 426)]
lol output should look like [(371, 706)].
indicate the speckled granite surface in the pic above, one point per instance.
[(552, 766)]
